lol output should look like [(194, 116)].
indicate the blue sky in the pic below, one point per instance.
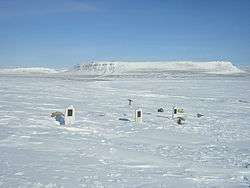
[(67, 32)]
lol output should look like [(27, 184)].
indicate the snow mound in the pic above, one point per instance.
[(105, 67), (33, 70), (120, 68)]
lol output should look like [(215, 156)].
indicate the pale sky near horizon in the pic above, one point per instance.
[(67, 32)]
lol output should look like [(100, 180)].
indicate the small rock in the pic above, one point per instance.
[(160, 110), (199, 115)]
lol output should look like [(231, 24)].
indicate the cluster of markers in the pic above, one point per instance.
[(68, 118)]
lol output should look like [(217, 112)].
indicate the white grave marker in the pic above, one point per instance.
[(138, 116), (70, 115)]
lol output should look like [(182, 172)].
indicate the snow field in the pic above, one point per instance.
[(100, 150)]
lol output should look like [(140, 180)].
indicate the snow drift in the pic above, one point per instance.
[(105, 67)]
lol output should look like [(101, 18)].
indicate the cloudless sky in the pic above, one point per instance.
[(67, 32)]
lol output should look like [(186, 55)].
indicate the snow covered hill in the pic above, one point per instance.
[(105, 67)]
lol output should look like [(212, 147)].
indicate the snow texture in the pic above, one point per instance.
[(106, 148)]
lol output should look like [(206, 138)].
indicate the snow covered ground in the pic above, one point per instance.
[(100, 150)]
